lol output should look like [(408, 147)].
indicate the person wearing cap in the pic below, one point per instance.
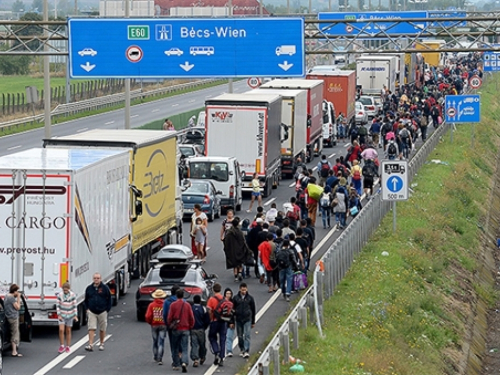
[(154, 317)]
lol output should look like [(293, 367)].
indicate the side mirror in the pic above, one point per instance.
[(186, 184)]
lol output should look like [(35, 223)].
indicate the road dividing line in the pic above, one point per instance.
[(82, 130), (109, 123), (347, 144), (134, 116), (332, 155), (175, 105), (13, 147), (74, 361), (270, 201), (292, 184), (61, 357), (155, 110), (192, 101)]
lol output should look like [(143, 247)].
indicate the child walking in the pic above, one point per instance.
[(200, 235), (66, 313)]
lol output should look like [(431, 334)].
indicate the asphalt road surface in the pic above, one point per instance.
[(128, 342)]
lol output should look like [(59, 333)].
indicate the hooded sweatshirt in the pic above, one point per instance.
[(154, 313)]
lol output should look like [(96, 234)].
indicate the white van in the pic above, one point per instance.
[(224, 172)]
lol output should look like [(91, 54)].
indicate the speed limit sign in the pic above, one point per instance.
[(253, 82), (475, 82)]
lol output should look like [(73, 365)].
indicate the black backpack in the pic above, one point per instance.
[(392, 151), (283, 259), (343, 170)]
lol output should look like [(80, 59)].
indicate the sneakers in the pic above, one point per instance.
[(229, 354), (202, 361), (242, 354), (184, 368), (221, 362), (101, 347), (240, 277), (61, 349), (68, 349), (160, 363), (175, 368), (216, 360), (195, 364), (287, 298), (246, 355)]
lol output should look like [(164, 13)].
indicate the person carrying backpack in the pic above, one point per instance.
[(218, 328), (325, 206), (392, 150), (324, 167), (267, 255), (370, 171), (198, 334), (285, 260), (357, 174), (340, 203)]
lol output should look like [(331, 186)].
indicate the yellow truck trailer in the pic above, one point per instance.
[(154, 177), (431, 58)]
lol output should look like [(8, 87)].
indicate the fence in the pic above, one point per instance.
[(337, 261)]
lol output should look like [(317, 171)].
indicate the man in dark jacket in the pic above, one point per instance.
[(98, 303), (244, 317), (236, 249), (253, 241)]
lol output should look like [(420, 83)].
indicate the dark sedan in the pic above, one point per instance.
[(204, 193), (174, 266)]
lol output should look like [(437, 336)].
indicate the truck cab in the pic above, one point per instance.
[(329, 127)]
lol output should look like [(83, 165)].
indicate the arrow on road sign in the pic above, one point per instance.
[(285, 66), (394, 182), (87, 67), (187, 66)]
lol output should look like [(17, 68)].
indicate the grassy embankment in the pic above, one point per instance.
[(410, 312)]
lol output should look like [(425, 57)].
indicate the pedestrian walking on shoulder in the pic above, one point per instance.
[(154, 317), (66, 313), (181, 320), (267, 256), (218, 328), (244, 317), (198, 333), (98, 304), (285, 258), (12, 304)]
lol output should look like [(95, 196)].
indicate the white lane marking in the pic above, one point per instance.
[(61, 357), (208, 96), (175, 105), (347, 144), (109, 123), (74, 361), (315, 168), (332, 155), (134, 116), (191, 101), (292, 184), (14, 147), (155, 110), (270, 201), (82, 130)]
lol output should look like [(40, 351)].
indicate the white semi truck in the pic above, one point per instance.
[(64, 215), (373, 72)]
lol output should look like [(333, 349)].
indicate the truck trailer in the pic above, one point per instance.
[(154, 172), (314, 109), (294, 117), (339, 89), (247, 127), (375, 72), (64, 216)]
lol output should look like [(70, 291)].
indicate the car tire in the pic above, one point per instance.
[(141, 316), (211, 217)]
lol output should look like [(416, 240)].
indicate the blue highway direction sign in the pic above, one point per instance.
[(462, 108), (394, 180), (447, 14), (361, 23), (181, 48), (491, 61)]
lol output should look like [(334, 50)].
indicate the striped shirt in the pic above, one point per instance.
[(66, 305)]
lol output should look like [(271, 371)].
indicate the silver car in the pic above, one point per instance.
[(361, 115), (370, 105)]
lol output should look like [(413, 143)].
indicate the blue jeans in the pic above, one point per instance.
[(218, 328), (229, 340), (198, 344), (340, 218), (244, 329), (358, 186), (325, 216), (180, 340), (158, 333), (286, 281)]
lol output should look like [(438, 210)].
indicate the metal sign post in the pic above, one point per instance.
[(394, 184)]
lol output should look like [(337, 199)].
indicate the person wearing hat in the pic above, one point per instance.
[(154, 317)]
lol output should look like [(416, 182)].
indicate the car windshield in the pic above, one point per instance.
[(365, 100), (187, 151), (359, 105), (217, 171), (378, 101), (198, 188)]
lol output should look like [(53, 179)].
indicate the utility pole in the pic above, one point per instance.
[(127, 80), (46, 75)]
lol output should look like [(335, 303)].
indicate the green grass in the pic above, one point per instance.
[(406, 313)]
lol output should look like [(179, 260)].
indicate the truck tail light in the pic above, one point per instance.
[(206, 200), (231, 191), (53, 315)]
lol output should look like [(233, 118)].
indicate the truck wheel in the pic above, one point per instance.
[(116, 296)]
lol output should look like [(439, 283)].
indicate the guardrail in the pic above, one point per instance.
[(336, 262), (103, 102)]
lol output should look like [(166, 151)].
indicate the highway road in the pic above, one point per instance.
[(128, 345)]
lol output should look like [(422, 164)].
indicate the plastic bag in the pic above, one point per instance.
[(297, 368), (300, 281)]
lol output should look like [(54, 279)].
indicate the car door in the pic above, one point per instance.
[(3, 327), (25, 321)]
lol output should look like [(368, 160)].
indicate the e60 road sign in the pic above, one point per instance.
[(186, 48)]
